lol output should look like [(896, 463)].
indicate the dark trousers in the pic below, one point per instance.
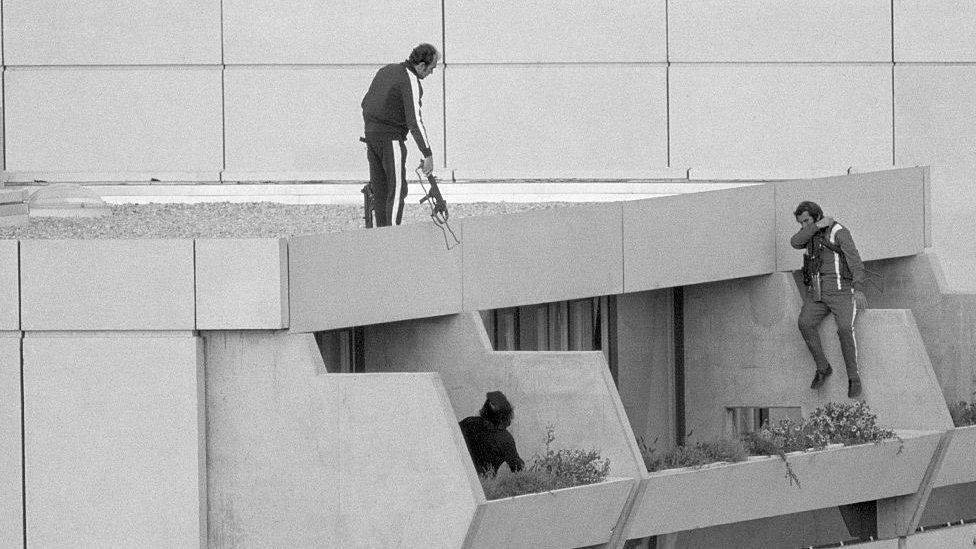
[(841, 304), (388, 179)]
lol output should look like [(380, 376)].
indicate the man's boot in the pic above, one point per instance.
[(820, 377)]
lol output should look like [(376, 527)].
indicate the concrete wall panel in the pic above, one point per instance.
[(778, 116), (354, 278), (104, 120), (571, 517), (500, 274), (241, 284), (743, 349), (9, 285), (336, 32), (679, 240), (864, 203), (934, 31), (592, 120), (107, 284), (288, 462), (956, 536), (798, 31), (935, 113), (672, 499), (134, 32), (12, 502), (114, 441), (560, 32), (308, 119), (957, 466)]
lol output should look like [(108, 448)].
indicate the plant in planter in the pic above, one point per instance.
[(963, 413), (832, 423), (694, 455), (551, 470)]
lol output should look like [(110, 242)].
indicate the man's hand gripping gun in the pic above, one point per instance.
[(438, 206)]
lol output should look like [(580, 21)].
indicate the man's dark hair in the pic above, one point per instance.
[(424, 53), (811, 208), (497, 410)]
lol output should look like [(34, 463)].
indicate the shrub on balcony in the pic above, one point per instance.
[(693, 455), (551, 470), (963, 413)]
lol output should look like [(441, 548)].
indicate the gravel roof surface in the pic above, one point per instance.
[(236, 220)]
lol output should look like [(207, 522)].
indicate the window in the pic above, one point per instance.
[(577, 325), (342, 350), (747, 419)]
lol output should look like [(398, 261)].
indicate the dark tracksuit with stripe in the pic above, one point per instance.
[(841, 274), (391, 108)]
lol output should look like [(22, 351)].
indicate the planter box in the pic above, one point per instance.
[(672, 501), (957, 466), (571, 517)]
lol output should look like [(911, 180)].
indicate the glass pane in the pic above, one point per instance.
[(581, 325), (506, 334)]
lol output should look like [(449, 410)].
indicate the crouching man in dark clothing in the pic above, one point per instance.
[(834, 276), (489, 443)]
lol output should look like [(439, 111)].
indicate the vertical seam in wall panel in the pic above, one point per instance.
[(891, 13), (223, 106), (444, 84), (193, 252), (667, 84), (23, 428)]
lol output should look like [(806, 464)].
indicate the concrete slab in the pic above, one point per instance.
[(776, 116), (522, 258), (514, 105), (936, 32), (363, 277), (572, 517), (241, 284), (799, 31), (573, 31), (9, 285), (289, 465), (107, 284), (11, 470), (957, 467), (865, 204), (149, 33), (687, 239), (672, 500), (955, 536), (161, 118), (284, 119), (285, 32), (114, 441), (933, 106)]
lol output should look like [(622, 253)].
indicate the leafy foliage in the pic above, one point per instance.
[(963, 413), (696, 455), (848, 423), (551, 470)]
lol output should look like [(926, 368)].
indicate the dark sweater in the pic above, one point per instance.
[(391, 107), (489, 446)]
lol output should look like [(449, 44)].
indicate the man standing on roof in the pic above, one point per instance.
[(834, 276), (391, 108)]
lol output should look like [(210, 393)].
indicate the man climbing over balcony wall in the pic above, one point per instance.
[(488, 441), (834, 276), (391, 108)]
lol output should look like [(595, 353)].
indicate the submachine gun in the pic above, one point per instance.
[(438, 206)]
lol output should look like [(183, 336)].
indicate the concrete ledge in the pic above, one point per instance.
[(11, 480), (9, 285), (958, 465), (687, 239), (542, 256), (951, 536), (672, 501), (107, 284), (378, 275), (572, 517), (241, 284), (114, 442)]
